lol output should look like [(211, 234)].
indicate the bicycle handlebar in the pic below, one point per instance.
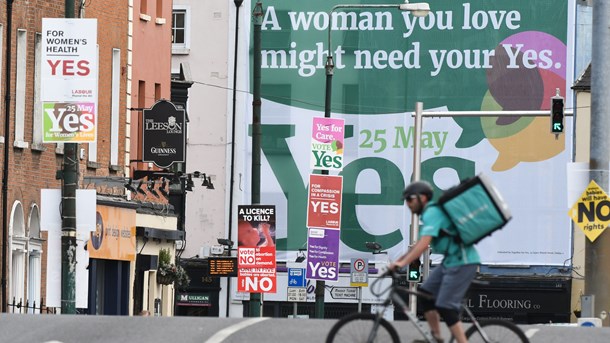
[(395, 277)]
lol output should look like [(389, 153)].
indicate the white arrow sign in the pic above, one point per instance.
[(344, 293)]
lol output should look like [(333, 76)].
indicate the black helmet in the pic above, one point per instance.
[(417, 188)]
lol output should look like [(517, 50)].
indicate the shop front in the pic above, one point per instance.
[(112, 249), (200, 298)]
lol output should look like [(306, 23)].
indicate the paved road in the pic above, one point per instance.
[(97, 329)]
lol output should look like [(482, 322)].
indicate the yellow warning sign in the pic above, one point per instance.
[(592, 211)]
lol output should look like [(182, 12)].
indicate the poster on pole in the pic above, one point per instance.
[(324, 202), (256, 249), (323, 254), (591, 211), (327, 136), (69, 73)]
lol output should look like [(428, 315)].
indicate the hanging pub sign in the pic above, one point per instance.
[(163, 134)]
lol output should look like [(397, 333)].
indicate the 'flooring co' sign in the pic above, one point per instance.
[(164, 134)]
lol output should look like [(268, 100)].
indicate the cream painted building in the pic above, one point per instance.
[(204, 47)]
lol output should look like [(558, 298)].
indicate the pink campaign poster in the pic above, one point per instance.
[(327, 144), (256, 249)]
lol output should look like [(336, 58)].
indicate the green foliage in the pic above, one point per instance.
[(168, 272), (164, 257)]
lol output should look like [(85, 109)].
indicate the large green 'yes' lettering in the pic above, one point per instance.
[(274, 146)]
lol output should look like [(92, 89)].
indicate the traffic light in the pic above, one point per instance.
[(556, 115), (414, 274)]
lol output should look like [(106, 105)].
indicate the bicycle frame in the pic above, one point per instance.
[(395, 298), (397, 295)]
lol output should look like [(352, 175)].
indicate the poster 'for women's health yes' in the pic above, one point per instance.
[(327, 143)]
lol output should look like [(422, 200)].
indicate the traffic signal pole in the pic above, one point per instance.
[(414, 232), (597, 277), (69, 177)]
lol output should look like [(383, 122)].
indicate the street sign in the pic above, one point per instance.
[(163, 134), (591, 213), (359, 272), (350, 293), (297, 294), (296, 277), (223, 266)]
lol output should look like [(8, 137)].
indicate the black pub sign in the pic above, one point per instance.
[(163, 134)]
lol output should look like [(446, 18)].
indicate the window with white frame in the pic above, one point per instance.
[(18, 248), (34, 265), (92, 151), (34, 280), (114, 114), (20, 90), (17, 275), (180, 30), (37, 120)]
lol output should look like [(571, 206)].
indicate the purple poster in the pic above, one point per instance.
[(323, 254)]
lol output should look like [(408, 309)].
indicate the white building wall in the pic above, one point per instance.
[(207, 109), (209, 58)]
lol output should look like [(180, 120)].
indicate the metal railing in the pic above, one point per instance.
[(27, 307)]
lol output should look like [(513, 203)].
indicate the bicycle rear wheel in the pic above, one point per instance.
[(357, 327), (497, 331)]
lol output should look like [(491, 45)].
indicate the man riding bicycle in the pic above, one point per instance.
[(449, 281)]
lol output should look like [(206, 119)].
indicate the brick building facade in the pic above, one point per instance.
[(134, 71)]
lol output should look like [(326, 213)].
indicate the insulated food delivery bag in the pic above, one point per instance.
[(476, 208)]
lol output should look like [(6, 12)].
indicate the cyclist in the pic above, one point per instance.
[(449, 281)]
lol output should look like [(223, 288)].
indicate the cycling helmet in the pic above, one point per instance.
[(416, 188)]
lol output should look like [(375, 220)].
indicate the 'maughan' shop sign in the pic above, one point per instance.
[(163, 134)]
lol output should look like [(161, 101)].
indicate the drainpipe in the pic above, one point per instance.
[(231, 183), (7, 134)]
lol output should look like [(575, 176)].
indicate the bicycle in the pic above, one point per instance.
[(372, 327)]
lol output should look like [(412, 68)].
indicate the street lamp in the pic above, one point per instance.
[(420, 9), (301, 256)]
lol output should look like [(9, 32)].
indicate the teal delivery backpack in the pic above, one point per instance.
[(476, 208)]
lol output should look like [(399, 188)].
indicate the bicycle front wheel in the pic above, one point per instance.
[(497, 331), (357, 327)]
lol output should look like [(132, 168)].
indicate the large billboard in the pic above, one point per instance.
[(465, 55)]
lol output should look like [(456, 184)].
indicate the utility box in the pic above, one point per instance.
[(587, 306)]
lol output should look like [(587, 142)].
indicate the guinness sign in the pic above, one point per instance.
[(163, 134)]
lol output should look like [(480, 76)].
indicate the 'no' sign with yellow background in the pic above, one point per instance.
[(592, 211)]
